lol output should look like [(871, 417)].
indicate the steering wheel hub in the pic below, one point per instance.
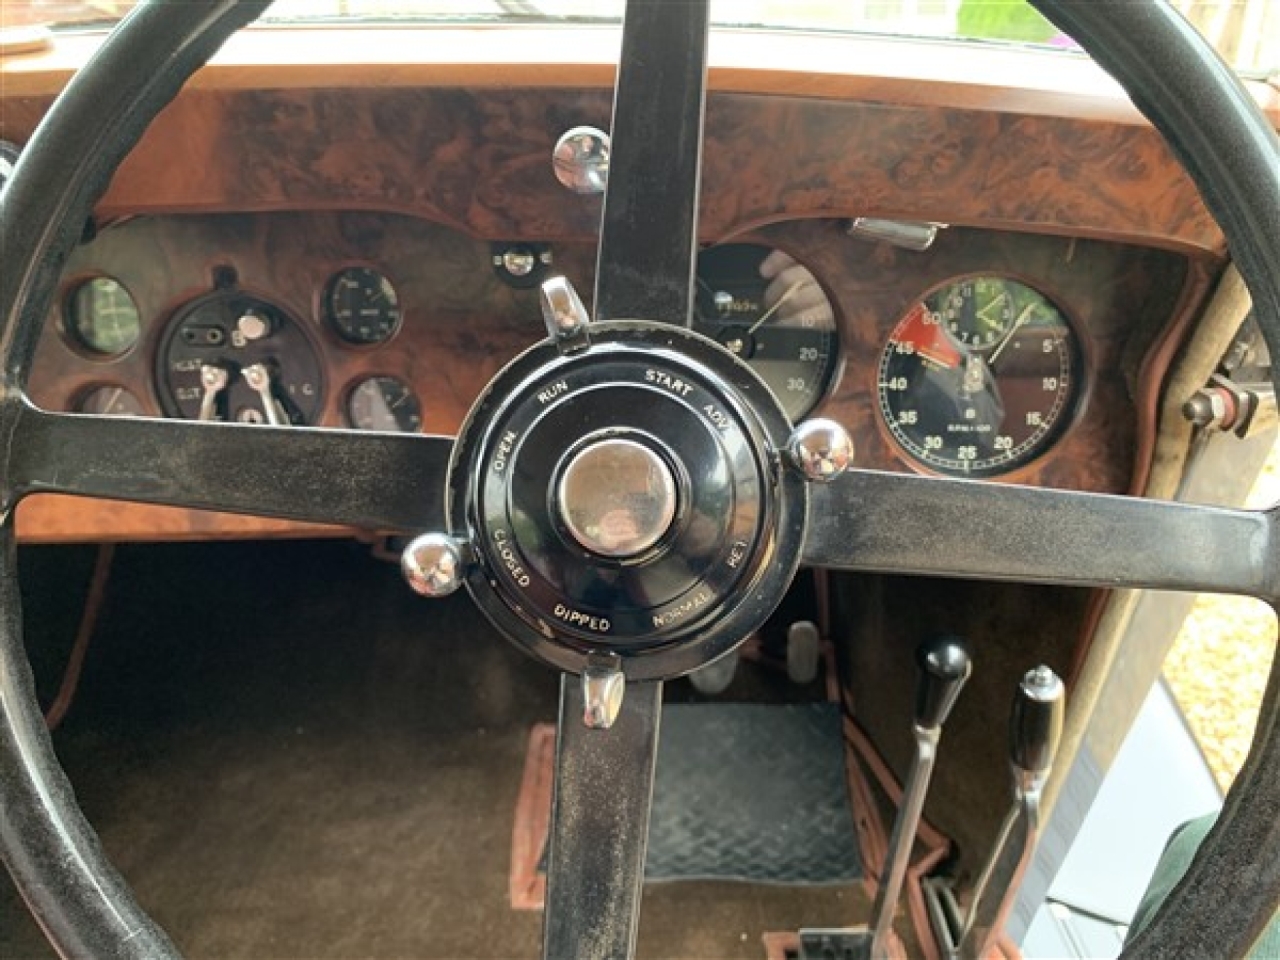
[(617, 497), (630, 498)]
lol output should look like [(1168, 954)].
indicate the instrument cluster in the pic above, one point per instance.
[(954, 371), (233, 356)]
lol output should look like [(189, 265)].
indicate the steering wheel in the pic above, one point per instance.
[(705, 515)]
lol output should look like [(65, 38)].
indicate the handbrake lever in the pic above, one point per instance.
[(1035, 728)]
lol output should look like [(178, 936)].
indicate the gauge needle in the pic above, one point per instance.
[(1022, 318), (992, 305), (774, 309), (943, 362)]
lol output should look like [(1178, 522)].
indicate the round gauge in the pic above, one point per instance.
[(970, 402), (978, 313), (770, 311), (386, 404), (110, 402), (362, 306), (102, 316)]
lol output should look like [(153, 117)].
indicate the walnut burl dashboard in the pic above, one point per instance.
[(369, 259)]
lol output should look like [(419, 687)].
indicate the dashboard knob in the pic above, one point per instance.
[(820, 449), (433, 564), (581, 160), (253, 326)]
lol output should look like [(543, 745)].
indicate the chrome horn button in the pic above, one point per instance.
[(617, 498)]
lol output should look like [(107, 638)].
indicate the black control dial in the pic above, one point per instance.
[(362, 306), (623, 499), (233, 356)]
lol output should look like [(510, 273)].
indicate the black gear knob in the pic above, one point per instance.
[(1035, 726), (944, 668)]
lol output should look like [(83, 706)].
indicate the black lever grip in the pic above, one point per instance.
[(944, 667), (1035, 726)]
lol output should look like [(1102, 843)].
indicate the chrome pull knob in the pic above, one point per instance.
[(581, 160), (820, 449), (434, 564)]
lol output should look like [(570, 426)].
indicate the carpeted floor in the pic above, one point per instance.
[(289, 755)]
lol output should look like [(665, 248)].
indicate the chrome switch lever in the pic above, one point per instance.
[(1035, 727), (213, 380), (944, 668), (259, 379)]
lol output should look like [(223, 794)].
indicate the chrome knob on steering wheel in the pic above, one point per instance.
[(433, 564)]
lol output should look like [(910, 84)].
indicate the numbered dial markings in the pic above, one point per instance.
[(978, 313), (386, 404), (362, 306), (769, 310), (966, 395)]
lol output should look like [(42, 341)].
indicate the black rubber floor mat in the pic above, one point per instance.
[(752, 792)]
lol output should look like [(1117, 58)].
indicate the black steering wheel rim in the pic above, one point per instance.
[(80, 900)]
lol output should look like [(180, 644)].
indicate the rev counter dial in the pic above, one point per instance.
[(979, 377), (770, 311)]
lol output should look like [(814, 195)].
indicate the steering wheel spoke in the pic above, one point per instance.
[(377, 481), (648, 236), (898, 523), (600, 824)]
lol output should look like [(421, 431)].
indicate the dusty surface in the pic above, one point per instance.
[(1218, 666)]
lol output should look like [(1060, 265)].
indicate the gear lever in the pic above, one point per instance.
[(944, 668), (1035, 728)]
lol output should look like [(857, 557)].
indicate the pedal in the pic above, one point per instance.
[(850, 944), (804, 652), (714, 678)]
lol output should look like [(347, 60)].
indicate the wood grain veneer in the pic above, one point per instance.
[(478, 159)]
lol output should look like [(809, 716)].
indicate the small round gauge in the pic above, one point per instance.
[(386, 404), (362, 306), (966, 402), (978, 313), (110, 402), (770, 311), (102, 316)]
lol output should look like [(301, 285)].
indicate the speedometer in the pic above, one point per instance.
[(762, 305), (979, 377)]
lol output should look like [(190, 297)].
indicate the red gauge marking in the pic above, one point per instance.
[(929, 339)]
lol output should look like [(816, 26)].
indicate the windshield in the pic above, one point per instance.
[(1245, 32)]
